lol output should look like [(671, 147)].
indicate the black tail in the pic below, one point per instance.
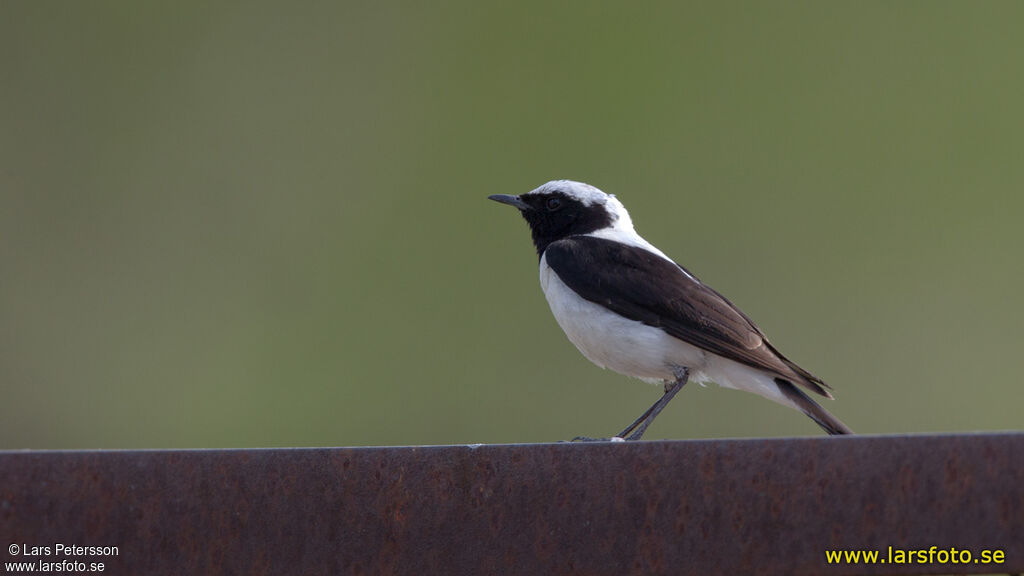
[(828, 422)]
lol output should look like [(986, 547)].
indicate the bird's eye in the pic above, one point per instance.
[(554, 204)]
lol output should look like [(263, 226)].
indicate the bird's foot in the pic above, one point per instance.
[(589, 439)]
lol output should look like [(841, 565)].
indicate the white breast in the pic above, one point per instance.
[(612, 341)]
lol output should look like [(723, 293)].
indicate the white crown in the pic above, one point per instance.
[(585, 193)]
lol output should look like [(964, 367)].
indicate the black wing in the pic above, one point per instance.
[(645, 287)]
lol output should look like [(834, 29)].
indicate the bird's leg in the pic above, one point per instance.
[(645, 419), (642, 417)]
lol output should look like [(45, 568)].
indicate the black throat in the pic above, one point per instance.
[(550, 223)]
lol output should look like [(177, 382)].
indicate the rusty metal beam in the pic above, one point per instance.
[(682, 507)]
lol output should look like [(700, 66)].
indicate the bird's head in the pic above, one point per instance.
[(563, 208)]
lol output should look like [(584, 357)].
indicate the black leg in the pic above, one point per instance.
[(645, 419), (642, 417)]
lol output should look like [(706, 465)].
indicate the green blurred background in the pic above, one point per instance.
[(265, 224)]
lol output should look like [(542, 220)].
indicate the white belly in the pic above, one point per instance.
[(635, 349)]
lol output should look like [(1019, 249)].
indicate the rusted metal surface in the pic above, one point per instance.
[(690, 507)]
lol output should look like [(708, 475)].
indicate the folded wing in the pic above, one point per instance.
[(643, 286)]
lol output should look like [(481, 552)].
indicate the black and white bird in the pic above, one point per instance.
[(628, 307)]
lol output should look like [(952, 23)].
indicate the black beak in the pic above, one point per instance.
[(510, 200)]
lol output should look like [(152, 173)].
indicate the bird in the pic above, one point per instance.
[(630, 308)]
